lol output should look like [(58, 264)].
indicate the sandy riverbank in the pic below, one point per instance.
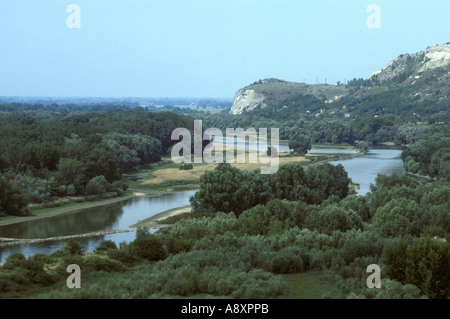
[(153, 222)]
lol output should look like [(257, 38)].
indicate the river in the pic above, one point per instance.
[(119, 216)]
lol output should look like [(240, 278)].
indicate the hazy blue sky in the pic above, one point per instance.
[(203, 48)]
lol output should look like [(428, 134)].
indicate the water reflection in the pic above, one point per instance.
[(117, 216), (83, 221), (364, 169)]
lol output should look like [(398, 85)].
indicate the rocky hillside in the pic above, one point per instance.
[(415, 83)]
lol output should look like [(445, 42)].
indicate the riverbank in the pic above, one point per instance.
[(165, 174), (154, 221)]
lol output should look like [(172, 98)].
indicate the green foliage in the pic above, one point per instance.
[(424, 263), (106, 245), (394, 257), (19, 274), (72, 172), (123, 255), (175, 245), (142, 232), (362, 146), (228, 189), (35, 189), (398, 218), (97, 185), (15, 261), (290, 183), (300, 144), (133, 149), (97, 263), (326, 180), (392, 289), (429, 156), (186, 166), (49, 154), (427, 265), (72, 248), (12, 200), (149, 248)]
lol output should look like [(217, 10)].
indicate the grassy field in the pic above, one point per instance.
[(171, 173), (166, 175), (310, 285)]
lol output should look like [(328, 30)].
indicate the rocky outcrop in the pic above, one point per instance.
[(416, 64), (247, 100), (436, 57)]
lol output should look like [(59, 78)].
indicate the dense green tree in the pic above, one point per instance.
[(394, 258), (399, 217), (427, 265), (290, 182), (149, 248), (97, 185), (228, 189), (72, 172), (300, 144), (35, 189), (12, 200), (326, 180)]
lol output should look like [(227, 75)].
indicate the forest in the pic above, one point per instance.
[(46, 155), (248, 231)]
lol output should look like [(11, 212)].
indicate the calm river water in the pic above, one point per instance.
[(119, 216)]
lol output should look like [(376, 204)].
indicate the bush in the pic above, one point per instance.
[(97, 185), (427, 265), (97, 263), (72, 248), (287, 261), (148, 248), (36, 190), (142, 231), (186, 166), (123, 255), (175, 245), (106, 245), (15, 261)]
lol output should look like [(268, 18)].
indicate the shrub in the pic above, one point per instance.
[(175, 245), (73, 248), (142, 231), (97, 263), (15, 261), (123, 255), (186, 166), (106, 245), (148, 248), (97, 185)]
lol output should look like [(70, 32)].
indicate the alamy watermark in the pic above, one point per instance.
[(374, 19), (74, 19), (374, 280), (74, 280), (256, 148)]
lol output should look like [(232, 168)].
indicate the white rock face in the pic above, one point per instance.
[(436, 57), (247, 100), (430, 59)]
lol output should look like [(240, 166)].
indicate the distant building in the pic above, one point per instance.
[(347, 115)]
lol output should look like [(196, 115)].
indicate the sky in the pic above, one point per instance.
[(203, 48)]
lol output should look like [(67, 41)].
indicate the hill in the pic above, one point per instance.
[(414, 84)]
